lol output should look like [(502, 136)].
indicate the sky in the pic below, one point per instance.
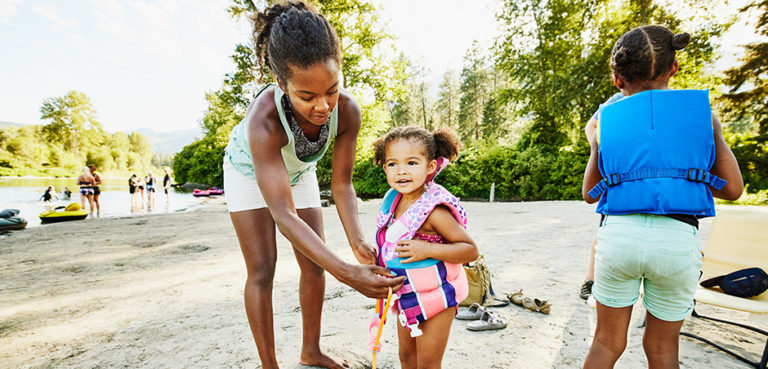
[(148, 64)]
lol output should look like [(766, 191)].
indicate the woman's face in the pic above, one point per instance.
[(313, 91)]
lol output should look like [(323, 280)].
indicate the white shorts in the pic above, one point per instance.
[(243, 193)]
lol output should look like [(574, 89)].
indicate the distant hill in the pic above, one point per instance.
[(9, 124), (170, 142), (162, 142)]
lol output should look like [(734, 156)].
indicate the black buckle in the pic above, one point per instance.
[(613, 179), (696, 175)]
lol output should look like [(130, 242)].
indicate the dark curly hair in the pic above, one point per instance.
[(293, 33), (442, 143), (646, 52)]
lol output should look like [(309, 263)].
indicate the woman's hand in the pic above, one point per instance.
[(370, 280), (365, 253), (413, 250)]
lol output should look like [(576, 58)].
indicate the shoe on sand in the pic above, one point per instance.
[(537, 305), (516, 297), (474, 312), (489, 321), (586, 289)]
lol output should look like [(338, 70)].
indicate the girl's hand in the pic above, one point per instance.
[(413, 250), (365, 253)]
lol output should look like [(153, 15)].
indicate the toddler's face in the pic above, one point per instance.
[(407, 166)]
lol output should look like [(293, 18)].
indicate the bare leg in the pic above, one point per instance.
[(311, 295), (661, 342), (430, 346), (83, 199), (90, 203), (610, 336), (256, 232), (96, 201), (591, 269)]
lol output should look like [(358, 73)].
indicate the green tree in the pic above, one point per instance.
[(474, 93), (746, 104), (71, 116), (556, 55), (448, 97)]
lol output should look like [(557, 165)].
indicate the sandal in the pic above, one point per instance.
[(586, 290), (537, 305), (516, 297), (489, 321), (474, 312)]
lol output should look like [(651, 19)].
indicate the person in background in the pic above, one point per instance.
[(150, 189), (86, 181), (96, 190), (140, 189), (166, 182), (49, 194), (132, 185), (66, 194)]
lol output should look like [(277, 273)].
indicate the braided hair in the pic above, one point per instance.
[(293, 34), (645, 53)]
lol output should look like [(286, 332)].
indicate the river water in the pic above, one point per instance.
[(24, 194)]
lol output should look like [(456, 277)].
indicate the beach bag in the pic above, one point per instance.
[(479, 282)]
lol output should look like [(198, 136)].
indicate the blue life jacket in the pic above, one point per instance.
[(655, 152)]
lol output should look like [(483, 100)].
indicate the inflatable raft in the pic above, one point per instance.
[(213, 191), (71, 212), (9, 221)]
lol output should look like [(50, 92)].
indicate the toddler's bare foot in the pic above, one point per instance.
[(321, 359)]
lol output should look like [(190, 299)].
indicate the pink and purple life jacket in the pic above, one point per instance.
[(431, 286)]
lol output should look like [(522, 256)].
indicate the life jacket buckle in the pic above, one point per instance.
[(697, 175), (613, 179)]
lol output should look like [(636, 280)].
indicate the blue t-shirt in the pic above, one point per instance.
[(616, 97)]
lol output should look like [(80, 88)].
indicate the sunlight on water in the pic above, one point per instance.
[(25, 193)]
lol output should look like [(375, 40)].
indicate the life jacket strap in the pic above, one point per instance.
[(692, 174)]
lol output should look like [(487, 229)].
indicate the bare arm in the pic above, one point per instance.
[(592, 173), (726, 166), (461, 248), (266, 137), (341, 180)]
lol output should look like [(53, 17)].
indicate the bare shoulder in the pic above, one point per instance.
[(349, 111), (440, 216), (264, 127)]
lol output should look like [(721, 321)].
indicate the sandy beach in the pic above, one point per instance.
[(165, 291)]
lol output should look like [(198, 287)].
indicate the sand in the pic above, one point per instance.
[(165, 291)]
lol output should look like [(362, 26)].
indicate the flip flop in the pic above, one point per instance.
[(537, 305), (474, 312), (516, 297), (489, 321)]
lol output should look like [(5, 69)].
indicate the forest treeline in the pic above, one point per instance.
[(71, 138), (520, 106)]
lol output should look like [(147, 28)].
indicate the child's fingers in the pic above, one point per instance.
[(403, 242)]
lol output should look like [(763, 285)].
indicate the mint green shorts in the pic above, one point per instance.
[(661, 253)]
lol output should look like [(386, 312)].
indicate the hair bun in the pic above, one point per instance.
[(621, 57), (680, 40)]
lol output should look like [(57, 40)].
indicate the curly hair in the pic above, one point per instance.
[(442, 143), (646, 52), (293, 34)]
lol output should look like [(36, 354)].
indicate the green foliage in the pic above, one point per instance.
[(474, 94), (69, 140)]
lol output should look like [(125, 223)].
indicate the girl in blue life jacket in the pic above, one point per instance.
[(658, 157)]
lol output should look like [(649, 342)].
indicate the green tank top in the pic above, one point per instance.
[(239, 153)]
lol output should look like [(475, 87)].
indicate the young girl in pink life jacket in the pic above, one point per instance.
[(658, 157), (421, 234)]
